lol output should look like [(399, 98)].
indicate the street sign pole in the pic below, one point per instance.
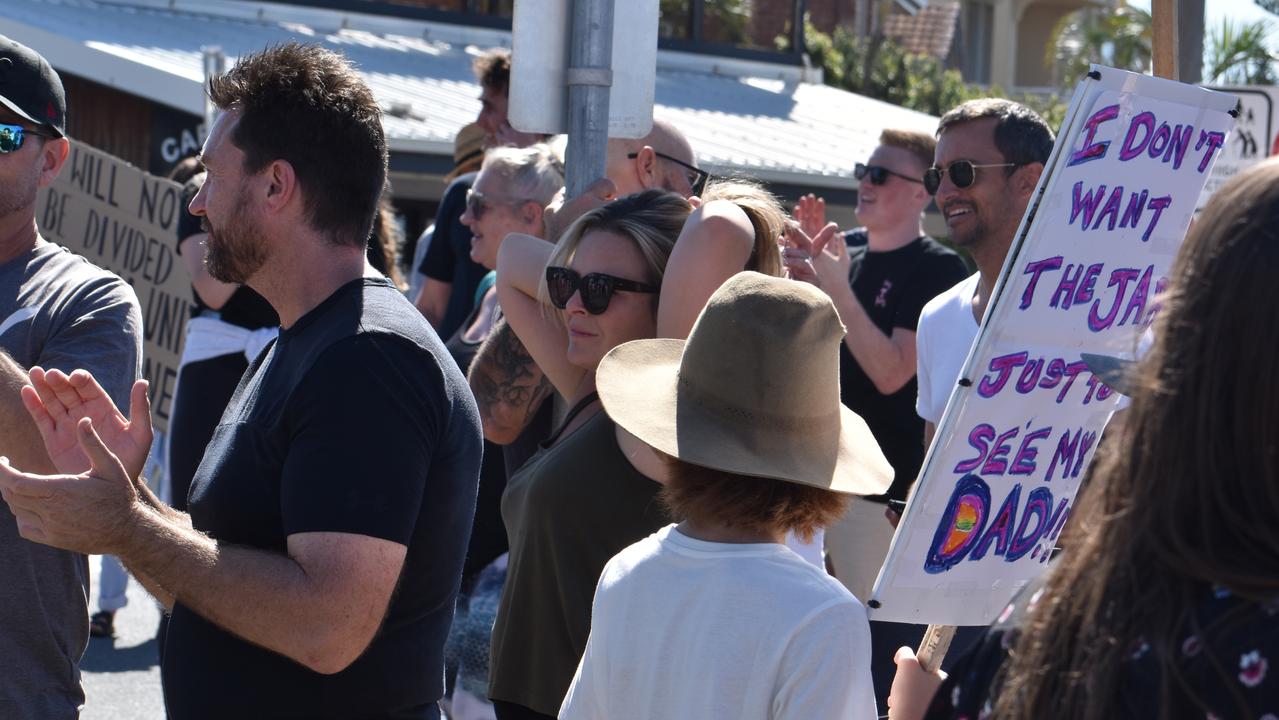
[(589, 78)]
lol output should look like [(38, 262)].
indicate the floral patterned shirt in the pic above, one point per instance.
[(1241, 636)]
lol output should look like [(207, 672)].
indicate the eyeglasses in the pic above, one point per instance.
[(963, 173), (696, 176), (597, 288), (878, 174), (479, 203), (12, 137)]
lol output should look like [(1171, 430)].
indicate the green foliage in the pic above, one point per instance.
[(1117, 37), (1271, 6), (881, 69), (1239, 54)]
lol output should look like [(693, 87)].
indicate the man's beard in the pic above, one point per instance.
[(234, 252)]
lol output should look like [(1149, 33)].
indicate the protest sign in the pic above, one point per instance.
[(1255, 137), (1091, 255), (126, 221)]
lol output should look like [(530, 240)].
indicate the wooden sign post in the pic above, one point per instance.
[(1163, 43)]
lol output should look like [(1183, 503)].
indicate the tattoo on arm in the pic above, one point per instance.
[(505, 379)]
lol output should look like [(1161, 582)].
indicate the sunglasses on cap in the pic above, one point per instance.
[(878, 174), (12, 137), (479, 203), (597, 288), (696, 176), (963, 173)]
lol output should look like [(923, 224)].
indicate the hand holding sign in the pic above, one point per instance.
[(92, 512), (58, 402)]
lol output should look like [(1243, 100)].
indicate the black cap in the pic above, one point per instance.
[(30, 87)]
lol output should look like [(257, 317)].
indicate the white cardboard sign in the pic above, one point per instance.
[(539, 61), (1255, 137), (1092, 253)]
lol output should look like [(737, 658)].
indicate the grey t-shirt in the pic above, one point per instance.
[(57, 310)]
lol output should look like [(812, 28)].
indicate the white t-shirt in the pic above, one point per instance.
[(947, 330), (684, 628)]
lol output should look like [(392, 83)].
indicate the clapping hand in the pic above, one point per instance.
[(58, 402), (821, 259), (89, 512)]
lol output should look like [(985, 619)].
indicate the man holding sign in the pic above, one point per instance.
[(990, 154), (60, 313)]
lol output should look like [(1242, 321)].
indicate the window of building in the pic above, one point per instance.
[(971, 51)]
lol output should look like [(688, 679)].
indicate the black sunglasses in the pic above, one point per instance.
[(479, 203), (597, 288), (697, 177), (963, 173), (12, 137), (878, 174)]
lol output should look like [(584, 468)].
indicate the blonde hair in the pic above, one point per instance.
[(651, 219), (766, 216)]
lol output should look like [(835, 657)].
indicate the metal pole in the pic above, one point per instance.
[(214, 65), (590, 76)]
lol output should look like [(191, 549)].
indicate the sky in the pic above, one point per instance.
[(1236, 10)]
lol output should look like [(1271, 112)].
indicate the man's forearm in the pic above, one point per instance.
[(263, 597), (20, 440), (875, 352), (508, 385)]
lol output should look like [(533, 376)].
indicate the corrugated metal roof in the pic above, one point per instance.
[(779, 130)]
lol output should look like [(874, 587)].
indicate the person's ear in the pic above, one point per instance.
[(281, 185), (531, 214), (1027, 177), (646, 168), (53, 155)]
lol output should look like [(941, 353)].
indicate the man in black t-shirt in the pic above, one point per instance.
[(316, 573), (879, 287), (448, 293)]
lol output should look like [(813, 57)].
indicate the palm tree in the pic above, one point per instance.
[(1116, 37), (1239, 54)]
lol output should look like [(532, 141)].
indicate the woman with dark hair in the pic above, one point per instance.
[(1165, 602)]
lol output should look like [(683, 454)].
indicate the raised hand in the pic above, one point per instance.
[(58, 402), (797, 255), (810, 213), (830, 257), (91, 512)]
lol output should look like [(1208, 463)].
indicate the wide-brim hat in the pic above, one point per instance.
[(753, 391)]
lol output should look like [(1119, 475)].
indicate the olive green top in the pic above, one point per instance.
[(568, 511)]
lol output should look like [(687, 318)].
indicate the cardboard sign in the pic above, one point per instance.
[(1093, 251), (126, 221), (1255, 137)]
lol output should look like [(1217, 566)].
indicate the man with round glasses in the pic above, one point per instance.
[(60, 313), (990, 154)]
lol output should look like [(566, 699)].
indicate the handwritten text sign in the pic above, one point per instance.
[(126, 221), (1024, 420)]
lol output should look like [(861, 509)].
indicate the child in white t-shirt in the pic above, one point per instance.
[(715, 618)]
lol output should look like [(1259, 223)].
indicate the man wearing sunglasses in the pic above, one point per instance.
[(879, 288), (60, 313), (990, 154)]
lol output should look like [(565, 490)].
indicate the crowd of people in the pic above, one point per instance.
[(638, 453)]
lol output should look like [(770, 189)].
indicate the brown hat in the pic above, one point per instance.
[(753, 391), (468, 151)]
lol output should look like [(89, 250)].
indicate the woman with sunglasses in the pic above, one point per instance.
[(580, 500), (1165, 603)]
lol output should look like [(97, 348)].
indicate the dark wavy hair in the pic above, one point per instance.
[(1188, 497), (1021, 135), (308, 106)]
